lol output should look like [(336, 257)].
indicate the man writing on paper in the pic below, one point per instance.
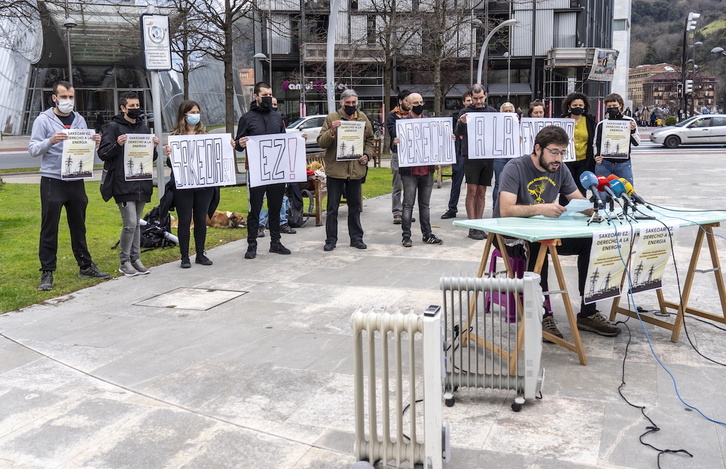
[(344, 177), (262, 120), (46, 141), (531, 185)]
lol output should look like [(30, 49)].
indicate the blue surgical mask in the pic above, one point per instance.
[(193, 119)]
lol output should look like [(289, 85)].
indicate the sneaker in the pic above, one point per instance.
[(185, 262), (202, 259), (128, 270), (550, 325), (92, 271), (598, 324), (477, 234), (358, 244), (448, 214), (287, 229), (261, 232), (432, 239), (278, 248), (329, 246), (251, 252), (140, 268), (397, 220), (46, 281), (407, 242)]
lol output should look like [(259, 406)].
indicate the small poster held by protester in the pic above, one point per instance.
[(350, 140), (138, 157), (78, 152)]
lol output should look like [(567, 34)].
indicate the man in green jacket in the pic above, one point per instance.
[(344, 176)]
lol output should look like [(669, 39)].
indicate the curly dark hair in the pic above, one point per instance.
[(573, 96)]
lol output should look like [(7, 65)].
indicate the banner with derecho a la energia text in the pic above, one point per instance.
[(425, 141)]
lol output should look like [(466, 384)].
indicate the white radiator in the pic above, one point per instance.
[(492, 341), (399, 376)]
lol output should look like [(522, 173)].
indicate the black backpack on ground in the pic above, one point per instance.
[(153, 234)]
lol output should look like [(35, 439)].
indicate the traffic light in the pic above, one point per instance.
[(692, 20), (689, 86), (679, 89)]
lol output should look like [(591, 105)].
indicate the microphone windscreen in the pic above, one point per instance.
[(628, 187), (602, 182), (617, 187), (588, 179), (612, 177)]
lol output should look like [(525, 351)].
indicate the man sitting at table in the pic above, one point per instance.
[(531, 185)]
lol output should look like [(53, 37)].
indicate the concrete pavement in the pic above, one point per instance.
[(248, 364)]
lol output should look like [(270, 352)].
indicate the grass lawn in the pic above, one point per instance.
[(20, 228)]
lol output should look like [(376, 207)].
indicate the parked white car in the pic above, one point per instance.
[(310, 126), (702, 129)]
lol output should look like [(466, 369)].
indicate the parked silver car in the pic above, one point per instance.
[(706, 128), (310, 126)]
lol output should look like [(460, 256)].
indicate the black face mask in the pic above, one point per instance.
[(613, 113), (418, 109), (133, 113), (577, 111), (350, 110), (266, 102)]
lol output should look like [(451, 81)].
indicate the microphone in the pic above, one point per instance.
[(603, 185), (589, 180), (619, 189), (612, 177), (631, 193)]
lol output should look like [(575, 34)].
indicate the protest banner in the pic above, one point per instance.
[(425, 141), (138, 157), (351, 140), (204, 160), (530, 127), (651, 256), (493, 135), (615, 141), (78, 152), (608, 255), (276, 159)]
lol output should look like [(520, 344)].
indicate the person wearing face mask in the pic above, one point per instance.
[(130, 196), (262, 120), (399, 112), (344, 176), (417, 179), (577, 106), (620, 167), (46, 141)]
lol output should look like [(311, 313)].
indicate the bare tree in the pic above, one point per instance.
[(187, 38)]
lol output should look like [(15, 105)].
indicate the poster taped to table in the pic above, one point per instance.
[(204, 160), (78, 152), (652, 252), (530, 127), (615, 141), (138, 157), (493, 135), (350, 141), (276, 159), (606, 270), (425, 141)]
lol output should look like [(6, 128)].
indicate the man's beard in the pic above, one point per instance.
[(546, 166)]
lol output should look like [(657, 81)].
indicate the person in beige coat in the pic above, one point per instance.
[(345, 176)]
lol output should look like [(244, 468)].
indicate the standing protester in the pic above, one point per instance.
[(417, 178), (618, 166), (500, 162), (130, 196), (46, 141), (576, 106), (399, 112), (478, 172), (536, 109), (262, 120), (344, 176), (457, 169), (191, 203)]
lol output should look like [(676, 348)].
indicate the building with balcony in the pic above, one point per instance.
[(663, 91)]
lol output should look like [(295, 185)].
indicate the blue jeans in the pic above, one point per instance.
[(499, 164), (283, 212), (424, 185), (623, 169)]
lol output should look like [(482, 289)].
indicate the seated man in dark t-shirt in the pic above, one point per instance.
[(531, 185)]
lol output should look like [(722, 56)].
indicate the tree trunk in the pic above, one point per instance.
[(228, 70)]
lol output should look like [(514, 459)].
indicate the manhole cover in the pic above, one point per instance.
[(199, 299)]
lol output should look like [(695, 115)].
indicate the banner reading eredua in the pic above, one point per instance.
[(202, 160), (426, 141), (493, 135), (276, 158)]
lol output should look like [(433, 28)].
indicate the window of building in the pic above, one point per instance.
[(620, 25), (371, 33)]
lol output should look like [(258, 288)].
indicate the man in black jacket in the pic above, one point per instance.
[(479, 172), (261, 120), (131, 195)]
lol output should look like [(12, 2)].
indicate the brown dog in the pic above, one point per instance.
[(219, 220)]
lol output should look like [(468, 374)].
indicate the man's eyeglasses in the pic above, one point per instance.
[(557, 152)]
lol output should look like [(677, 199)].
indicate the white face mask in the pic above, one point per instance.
[(65, 106)]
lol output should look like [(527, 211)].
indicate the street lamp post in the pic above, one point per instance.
[(690, 26), (484, 52), (722, 51), (69, 23)]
